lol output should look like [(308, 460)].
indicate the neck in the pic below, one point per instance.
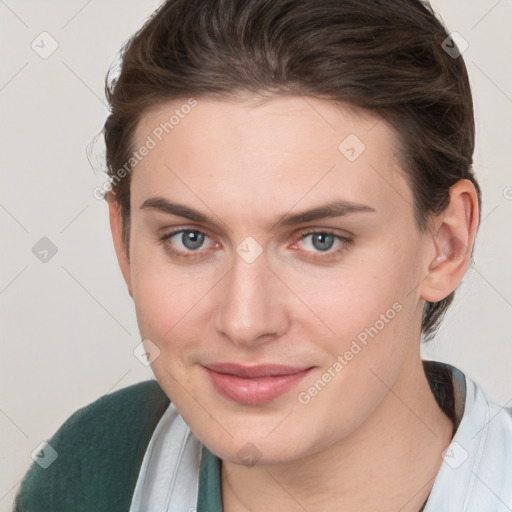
[(388, 464)]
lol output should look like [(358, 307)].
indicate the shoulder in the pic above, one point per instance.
[(99, 451)]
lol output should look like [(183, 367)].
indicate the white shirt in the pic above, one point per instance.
[(475, 475)]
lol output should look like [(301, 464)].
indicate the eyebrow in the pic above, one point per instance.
[(332, 209), (337, 208)]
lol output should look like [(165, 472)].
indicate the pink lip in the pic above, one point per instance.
[(254, 385)]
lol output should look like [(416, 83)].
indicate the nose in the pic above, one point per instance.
[(251, 309)]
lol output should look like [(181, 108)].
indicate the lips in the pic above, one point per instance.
[(254, 385), (250, 372)]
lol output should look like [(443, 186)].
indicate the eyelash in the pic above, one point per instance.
[(330, 254), (324, 256), (182, 254)]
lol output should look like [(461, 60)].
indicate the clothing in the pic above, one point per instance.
[(100, 450), (134, 444)]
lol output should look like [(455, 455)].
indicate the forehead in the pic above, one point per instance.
[(267, 155)]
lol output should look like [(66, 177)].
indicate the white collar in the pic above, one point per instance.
[(169, 475), (476, 472)]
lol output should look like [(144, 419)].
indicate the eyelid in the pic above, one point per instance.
[(345, 242), (190, 253), (324, 231), (327, 231), (172, 230)]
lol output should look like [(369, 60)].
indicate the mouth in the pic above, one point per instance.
[(254, 385)]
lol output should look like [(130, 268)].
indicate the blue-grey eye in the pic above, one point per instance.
[(322, 241), (192, 239)]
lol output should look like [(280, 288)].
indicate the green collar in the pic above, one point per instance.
[(209, 494)]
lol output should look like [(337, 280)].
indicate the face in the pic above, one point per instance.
[(270, 235)]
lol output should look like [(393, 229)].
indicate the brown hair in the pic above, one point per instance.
[(384, 56)]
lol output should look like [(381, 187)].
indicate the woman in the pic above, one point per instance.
[(292, 205)]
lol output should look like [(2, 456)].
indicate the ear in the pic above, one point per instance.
[(116, 226), (451, 243)]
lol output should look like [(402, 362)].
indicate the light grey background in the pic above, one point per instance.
[(68, 326)]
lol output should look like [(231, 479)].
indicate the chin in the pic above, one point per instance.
[(253, 447)]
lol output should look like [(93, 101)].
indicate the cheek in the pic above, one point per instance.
[(170, 314), (345, 302), (372, 322), (167, 298), (366, 299)]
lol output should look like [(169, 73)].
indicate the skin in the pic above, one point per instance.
[(372, 439)]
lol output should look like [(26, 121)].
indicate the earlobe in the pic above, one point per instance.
[(116, 226), (452, 241)]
